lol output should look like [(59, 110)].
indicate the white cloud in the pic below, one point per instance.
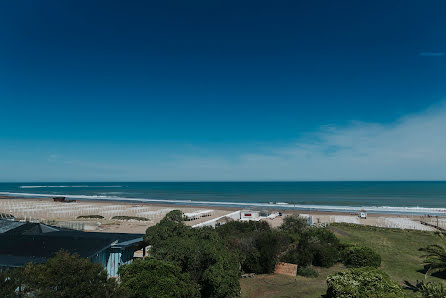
[(411, 148)]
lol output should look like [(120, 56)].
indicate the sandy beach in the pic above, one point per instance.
[(66, 215)]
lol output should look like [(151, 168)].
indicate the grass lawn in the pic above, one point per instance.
[(275, 285), (398, 250)]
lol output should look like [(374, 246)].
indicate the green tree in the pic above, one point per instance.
[(200, 252), (362, 282), (9, 281), (257, 244), (316, 246), (68, 275), (294, 225), (156, 278), (170, 226)]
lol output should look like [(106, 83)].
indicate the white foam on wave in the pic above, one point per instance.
[(374, 209), (67, 186)]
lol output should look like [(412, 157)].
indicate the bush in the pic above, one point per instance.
[(323, 244), (294, 224), (200, 252), (90, 216), (156, 278), (432, 290), (360, 256), (317, 246), (307, 271), (66, 275), (122, 217), (362, 282), (256, 243)]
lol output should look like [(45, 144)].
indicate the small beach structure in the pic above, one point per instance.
[(197, 214), (363, 214), (247, 215)]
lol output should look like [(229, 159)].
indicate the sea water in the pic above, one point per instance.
[(395, 197)]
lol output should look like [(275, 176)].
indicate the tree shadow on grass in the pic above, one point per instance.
[(440, 274)]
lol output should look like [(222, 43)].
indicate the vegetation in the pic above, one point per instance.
[(64, 275), (362, 282), (9, 282), (156, 278), (307, 271), (400, 259), (213, 257), (428, 289), (316, 246), (94, 216), (434, 258), (399, 249), (201, 253), (207, 262), (124, 217), (360, 256), (257, 245), (278, 285)]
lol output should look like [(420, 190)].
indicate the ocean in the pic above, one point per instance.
[(394, 197)]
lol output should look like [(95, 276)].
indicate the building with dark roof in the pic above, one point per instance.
[(24, 242)]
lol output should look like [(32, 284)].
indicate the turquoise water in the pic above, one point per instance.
[(314, 195)]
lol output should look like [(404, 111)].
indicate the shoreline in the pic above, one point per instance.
[(280, 206)]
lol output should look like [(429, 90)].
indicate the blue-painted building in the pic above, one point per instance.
[(21, 243)]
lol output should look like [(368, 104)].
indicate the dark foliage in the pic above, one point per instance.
[(360, 256), (427, 289), (317, 246), (257, 244), (201, 253), (156, 278), (94, 216), (66, 275), (10, 280), (307, 271), (294, 225)]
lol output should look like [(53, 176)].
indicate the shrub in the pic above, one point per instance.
[(323, 244), (360, 256), (307, 271), (317, 246), (200, 252), (431, 290), (256, 243), (294, 224), (66, 275), (122, 217), (90, 216), (362, 282), (156, 278)]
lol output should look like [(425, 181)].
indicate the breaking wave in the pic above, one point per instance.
[(67, 186), (332, 208)]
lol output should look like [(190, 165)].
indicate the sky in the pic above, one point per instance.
[(222, 90)]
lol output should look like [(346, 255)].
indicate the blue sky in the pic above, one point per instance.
[(222, 90)]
